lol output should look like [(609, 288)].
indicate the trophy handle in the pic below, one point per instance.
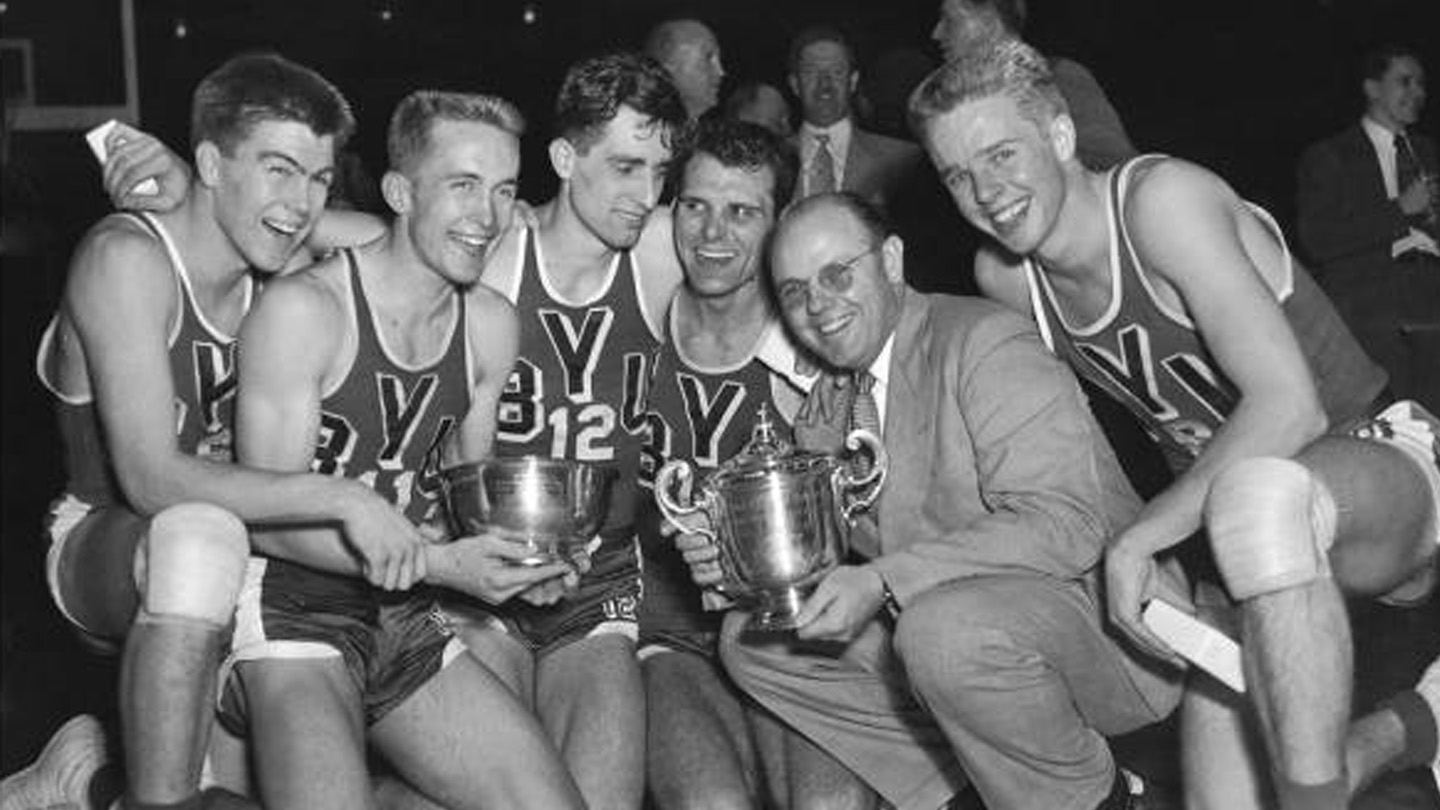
[(861, 491), (681, 472)]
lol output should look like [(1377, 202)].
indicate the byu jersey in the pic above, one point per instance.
[(703, 415), (577, 389), (1149, 356), (386, 422), (202, 371)]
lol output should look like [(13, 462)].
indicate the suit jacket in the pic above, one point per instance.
[(996, 464), (1346, 222), (876, 165)]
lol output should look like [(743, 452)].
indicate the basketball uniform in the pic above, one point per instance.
[(202, 370), (384, 424), (577, 391), (1150, 357)]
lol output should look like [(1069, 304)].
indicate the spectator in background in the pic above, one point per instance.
[(690, 53), (763, 104), (835, 153), (1367, 208), (964, 24)]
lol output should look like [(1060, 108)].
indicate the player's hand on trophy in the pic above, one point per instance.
[(490, 566), (700, 553)]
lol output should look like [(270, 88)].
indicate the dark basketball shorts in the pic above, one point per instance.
[(391, 643), (90, 567), (675, 614), (607, 601)]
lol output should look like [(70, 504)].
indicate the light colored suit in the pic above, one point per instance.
[(1001, 494)]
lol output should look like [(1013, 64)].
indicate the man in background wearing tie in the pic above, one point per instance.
[(835, 154), (963, 640), (1367, 216)]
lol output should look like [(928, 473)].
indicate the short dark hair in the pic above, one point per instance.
[(1000, 67), (742, 145), (251, 88), (819, 33), (1377, 60), (416, 114), (594, 90)]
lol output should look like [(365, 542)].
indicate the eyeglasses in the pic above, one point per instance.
[(834, 278)]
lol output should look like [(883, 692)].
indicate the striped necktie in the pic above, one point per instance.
[(864, 415), (864, 411)]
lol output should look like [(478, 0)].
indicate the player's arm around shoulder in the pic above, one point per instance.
[(121, 300), (503, 266), (661, 274)]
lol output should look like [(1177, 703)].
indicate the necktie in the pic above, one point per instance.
[(822, 166), (864, 415), (1407, 168), (864, 411), (1407, 171)]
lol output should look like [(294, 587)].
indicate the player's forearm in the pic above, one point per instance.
[(1253, 431), (254, 495), (321, 548)]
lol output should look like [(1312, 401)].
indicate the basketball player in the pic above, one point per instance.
[(1163, 287), (374, 365), (590, 283), (148, 546)]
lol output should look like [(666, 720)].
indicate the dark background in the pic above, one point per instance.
[(1238, 85)]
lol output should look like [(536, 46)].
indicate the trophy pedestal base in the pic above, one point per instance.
[(776, 610)]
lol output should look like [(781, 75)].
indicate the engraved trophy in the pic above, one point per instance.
[(553, 506), (775, 513)]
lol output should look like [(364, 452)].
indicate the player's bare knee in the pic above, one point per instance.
[(1270, 524), (192, 563)]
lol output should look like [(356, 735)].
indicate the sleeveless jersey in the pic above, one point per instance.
[(202, 371), (703, 416), (386, 422), (1149, 357), (577, 389)]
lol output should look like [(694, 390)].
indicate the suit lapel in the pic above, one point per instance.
[(909, 417), (858, 160)]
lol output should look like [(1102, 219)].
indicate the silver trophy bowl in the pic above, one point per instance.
[(553, 506)]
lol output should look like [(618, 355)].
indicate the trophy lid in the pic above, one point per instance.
[(765, 452)]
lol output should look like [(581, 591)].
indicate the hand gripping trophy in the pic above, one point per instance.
[(780, 516)]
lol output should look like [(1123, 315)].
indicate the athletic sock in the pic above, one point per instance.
[(1332, 795)]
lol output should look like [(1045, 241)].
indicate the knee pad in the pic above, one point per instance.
[(192, 563), (1271, 524)]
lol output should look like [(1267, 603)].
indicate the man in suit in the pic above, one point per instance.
[(1367, 216), (835, 153), (964, 636)]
